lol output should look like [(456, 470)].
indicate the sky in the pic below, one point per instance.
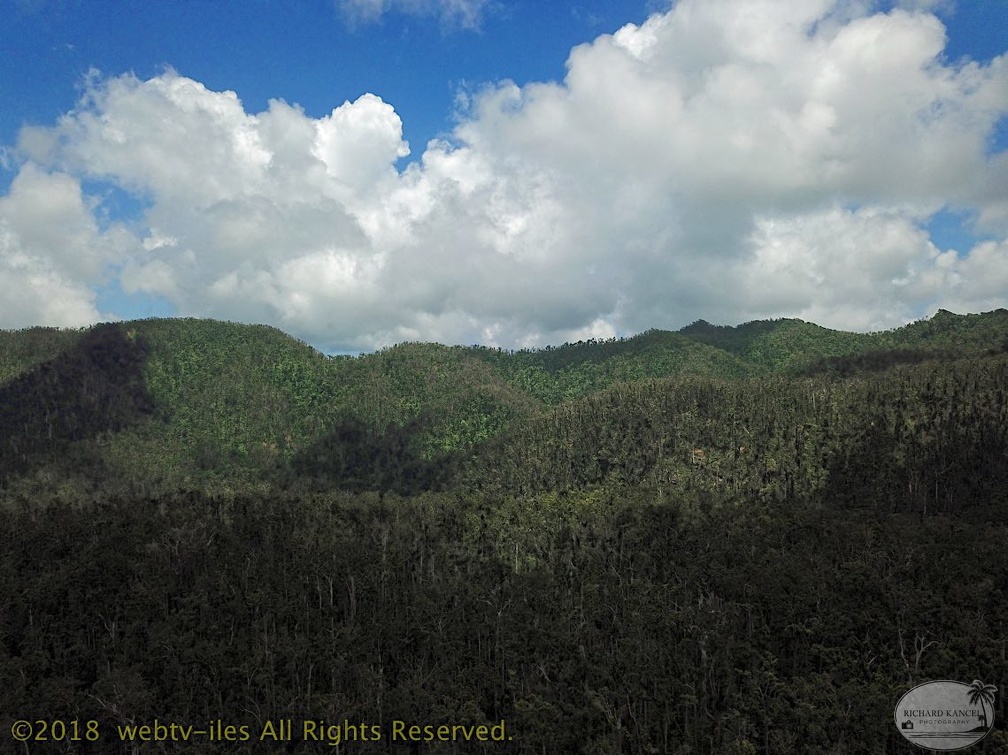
[(359, 173)]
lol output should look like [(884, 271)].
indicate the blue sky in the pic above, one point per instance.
[(316, 53), (599, 168)]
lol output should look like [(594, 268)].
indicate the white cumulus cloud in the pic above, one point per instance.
[(52, 252), (726, 159)]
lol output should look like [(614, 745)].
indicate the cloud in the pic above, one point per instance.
[(862, 270), (466, 14), (975, 283), (52, 252), (728, 160)]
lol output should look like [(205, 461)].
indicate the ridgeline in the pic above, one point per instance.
[(768, 408), (747, 539)]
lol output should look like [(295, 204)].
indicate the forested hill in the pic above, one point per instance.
[(169, 404), (766, 346), (735, 540)]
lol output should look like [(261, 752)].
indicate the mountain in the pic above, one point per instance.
[(778, 344), (93, 387), (932, 436), (556, 374), (169, 404), (232, 403), (801, 347), (693, 542)]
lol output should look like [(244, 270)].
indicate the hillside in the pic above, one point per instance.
[(931, 437), (232, 403), (709, 541), (557, 374), (206, 405), (799, 347)]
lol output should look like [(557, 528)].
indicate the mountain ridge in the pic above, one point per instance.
[(227, 405)]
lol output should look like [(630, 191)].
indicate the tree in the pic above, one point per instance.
[(983, 693)]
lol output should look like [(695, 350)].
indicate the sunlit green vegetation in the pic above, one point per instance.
[(721, 540)]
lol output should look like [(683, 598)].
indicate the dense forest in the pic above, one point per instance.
[(747, 539)]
